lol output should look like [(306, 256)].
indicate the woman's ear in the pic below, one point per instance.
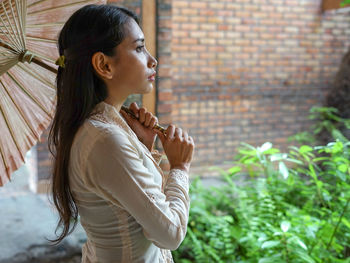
[(102, 66)]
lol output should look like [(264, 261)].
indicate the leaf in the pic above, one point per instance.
[(285, 225), (283, 170), (345, 222), (343, 168), (273, 259), (270, 244), (278, 157), (305, 257), (234, 170), (266, 146), (337, 135), (305, 149), (301, 243), (312, 172)]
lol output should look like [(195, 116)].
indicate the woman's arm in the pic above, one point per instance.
[(117, 171)]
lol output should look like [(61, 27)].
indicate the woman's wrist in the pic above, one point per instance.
[(183, 167)]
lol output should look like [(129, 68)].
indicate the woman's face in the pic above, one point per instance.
[(134, 67)]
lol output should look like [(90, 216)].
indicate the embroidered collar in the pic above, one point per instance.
[(109, 114)]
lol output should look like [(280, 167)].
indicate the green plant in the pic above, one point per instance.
[(326, 121), (275, 207), (345, 2)]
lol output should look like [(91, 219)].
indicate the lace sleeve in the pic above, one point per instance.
[(180, 178)]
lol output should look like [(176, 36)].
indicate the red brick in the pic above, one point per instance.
[(164, 108)]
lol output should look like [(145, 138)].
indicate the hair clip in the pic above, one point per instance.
[(60, 61)]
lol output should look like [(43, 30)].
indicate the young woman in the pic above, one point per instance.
[(105, 167)]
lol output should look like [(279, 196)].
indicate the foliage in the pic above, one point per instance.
[(326, 120), (344, 2), (289, 207)]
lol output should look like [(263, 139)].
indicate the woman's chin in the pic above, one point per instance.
[(148, 89)]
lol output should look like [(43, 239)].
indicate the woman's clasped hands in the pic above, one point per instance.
[(177, 144)]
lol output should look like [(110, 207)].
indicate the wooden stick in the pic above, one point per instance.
[(158, 127), (35, 60)]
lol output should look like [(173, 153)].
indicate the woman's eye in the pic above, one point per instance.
[(140, 48)]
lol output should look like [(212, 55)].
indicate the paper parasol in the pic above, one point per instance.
[(28, 51)]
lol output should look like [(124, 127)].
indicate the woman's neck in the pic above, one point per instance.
[(116, 103)]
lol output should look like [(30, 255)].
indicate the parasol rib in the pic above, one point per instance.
[(29, 95), (16, 25), (21, 10), (10, 129), (5, 165), (44, 25), (58, 7), (19, 32), (38, 76), (42, 39), (37, 2), (19, 110), (8, 34)]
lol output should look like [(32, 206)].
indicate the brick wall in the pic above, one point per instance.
[(243, 70), (249, 70)]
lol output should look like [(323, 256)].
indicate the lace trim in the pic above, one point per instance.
[(167, 256), (99, 117), (179, 175), (157, 156), (105, 114)]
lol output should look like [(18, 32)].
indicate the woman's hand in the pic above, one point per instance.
[(143, 126), (178, 147)]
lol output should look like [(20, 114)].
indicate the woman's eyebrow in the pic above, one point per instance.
[(139, 39)]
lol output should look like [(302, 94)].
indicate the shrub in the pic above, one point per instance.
[(290, 207)]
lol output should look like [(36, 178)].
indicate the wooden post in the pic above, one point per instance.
[(149, 29)]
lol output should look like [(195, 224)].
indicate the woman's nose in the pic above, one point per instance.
[(152, 62)]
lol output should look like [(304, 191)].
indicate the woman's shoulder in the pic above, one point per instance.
[(90, 134), (93, 129)]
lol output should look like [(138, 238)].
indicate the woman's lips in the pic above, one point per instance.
[(152, 77)]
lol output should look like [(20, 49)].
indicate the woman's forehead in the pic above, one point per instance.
[(133, 32)]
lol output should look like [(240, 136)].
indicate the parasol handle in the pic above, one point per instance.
[(44, 65), (34, 59), (158, 127)]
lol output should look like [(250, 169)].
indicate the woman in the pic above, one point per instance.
[(105, 167)]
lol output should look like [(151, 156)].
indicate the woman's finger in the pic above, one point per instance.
[(191, 140), (125, 115), (185, 136), (133, 106), (161, 136), (178, 133), (153, 122), (148, 117), (142, 115), (170, 131)]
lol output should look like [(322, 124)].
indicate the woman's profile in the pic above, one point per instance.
[(105, 168)]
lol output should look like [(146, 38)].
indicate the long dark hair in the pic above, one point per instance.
[(91, 29)]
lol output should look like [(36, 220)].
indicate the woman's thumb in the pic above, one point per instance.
[(126, 116), (160, 135)]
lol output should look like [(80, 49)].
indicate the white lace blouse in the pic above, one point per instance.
[(131, 211)]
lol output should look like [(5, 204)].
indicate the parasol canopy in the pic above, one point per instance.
[(28, 51)]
